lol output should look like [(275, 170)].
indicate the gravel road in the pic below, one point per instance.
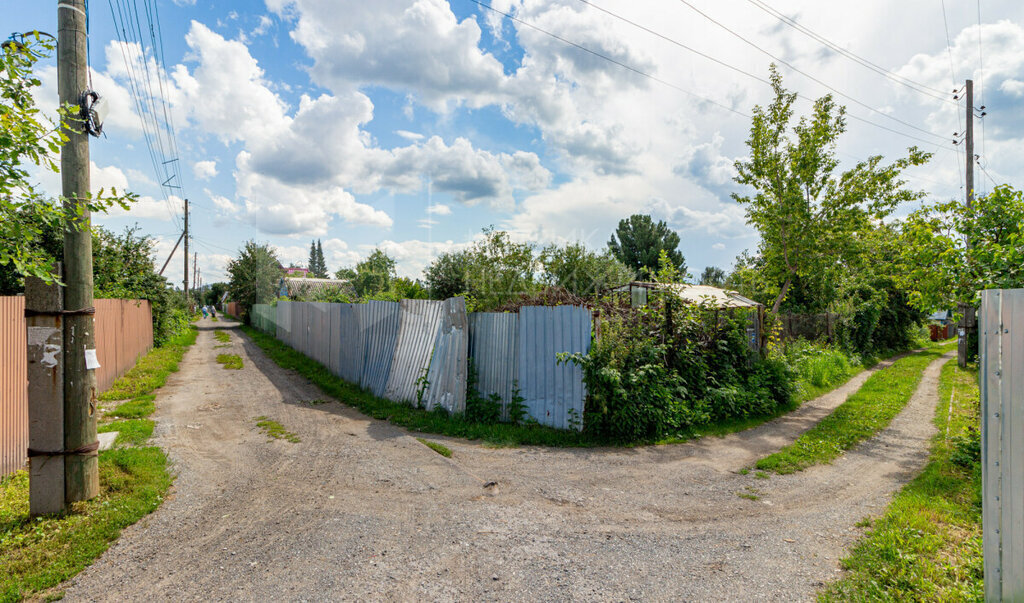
[(359, 510)]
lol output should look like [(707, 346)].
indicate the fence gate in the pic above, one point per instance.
[(1001, 373)]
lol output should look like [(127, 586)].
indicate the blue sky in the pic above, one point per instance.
[(411, 125)]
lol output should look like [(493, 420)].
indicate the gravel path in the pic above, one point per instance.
[(360, 510)]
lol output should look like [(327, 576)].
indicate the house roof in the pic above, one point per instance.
[(306, 286), (706, 294)]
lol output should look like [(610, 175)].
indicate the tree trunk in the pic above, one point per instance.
[(782, 295)]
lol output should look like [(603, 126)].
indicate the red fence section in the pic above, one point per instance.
[(233, 309), (124, 331)]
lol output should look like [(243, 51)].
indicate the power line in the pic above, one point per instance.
[(742, 71), (952, 73), (981, 80), (899, 79), (805, 74), (610, 59)]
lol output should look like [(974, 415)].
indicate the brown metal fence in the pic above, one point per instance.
[(124, 331), (233, 309)]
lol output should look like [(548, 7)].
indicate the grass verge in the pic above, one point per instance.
[(230, 361), (151, 371), (404, 415), (436, 447), (927, 545), (866, 412), (39, 553), (275, 430)]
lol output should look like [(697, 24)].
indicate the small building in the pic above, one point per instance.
[(307, 288), (941, 325), (296, 271)]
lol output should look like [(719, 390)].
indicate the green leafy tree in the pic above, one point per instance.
[(28, 138), (254, 276), (581, 271), (214, 293), (493, 271), (949, 252), (810, 219), (638, 241), (345, 274), (713, 275), (374, 274)]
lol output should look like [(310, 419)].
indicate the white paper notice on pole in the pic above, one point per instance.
[(91, 361)]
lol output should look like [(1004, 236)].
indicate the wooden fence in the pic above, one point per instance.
[(124, 331), (808, 326)]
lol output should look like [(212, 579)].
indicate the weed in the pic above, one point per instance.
[(314, 402), (749, 494), (744, 471), (275, 430), (760, 475), (436, 447), (422, 383), (230, 361), (136, 408), (132, 432), (222, 336), (860, 417)]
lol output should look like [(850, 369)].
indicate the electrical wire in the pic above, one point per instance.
[(952, 72), (981, 80), (899, 79), (805, 74)]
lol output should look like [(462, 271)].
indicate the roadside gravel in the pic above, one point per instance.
[(360, 510)]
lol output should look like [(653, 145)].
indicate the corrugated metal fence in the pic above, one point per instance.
[(421, 349), (124, 331), (1001, 373)]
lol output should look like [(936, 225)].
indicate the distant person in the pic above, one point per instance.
[(213, 312), (204, 311)]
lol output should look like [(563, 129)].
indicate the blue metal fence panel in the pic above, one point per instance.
[(553, 392), (351, 356), (449, 363), (494, 350), (379, 324), (419, 323)]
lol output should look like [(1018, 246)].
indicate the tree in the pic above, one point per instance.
[(29, 138), (374, 274), (949, 252), (809, 219), (254, 276), (321, 264), (637, 243), (214, 293), (493, 271), (581, 271), (714, 276)]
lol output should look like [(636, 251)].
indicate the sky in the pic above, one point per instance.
[(411, 125)]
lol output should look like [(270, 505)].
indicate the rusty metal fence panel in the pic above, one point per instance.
[(124, 332), (450, 362), (13, 385), (1001, 374), (494, 350), (553, 392)]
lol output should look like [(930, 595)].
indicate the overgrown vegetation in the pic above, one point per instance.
[(861, 416), (222, 336), (927, 545), (436, 447), (275, 430), (37, 554), (230, 361)]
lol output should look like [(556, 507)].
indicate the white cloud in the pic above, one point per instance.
[(413, 136), (413, 255), (439, 209), (718, 246), (204, 170), (262, 27)]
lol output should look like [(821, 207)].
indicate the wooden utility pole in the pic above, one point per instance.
[(195, 272), (81, 463), (186, 252), (45, 337), (969, 143)]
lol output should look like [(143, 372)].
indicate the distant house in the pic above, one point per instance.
[(296, 271), (306, 288)]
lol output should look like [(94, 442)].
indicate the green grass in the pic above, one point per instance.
[(222, 336), (436, 447), (861, 416), (404, 415), (275, 430), (230, 361), (130, 432), (927, 545), (152, 370), (39, 554), (136, 408)]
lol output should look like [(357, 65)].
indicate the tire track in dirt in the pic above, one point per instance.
[(360, 510)]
